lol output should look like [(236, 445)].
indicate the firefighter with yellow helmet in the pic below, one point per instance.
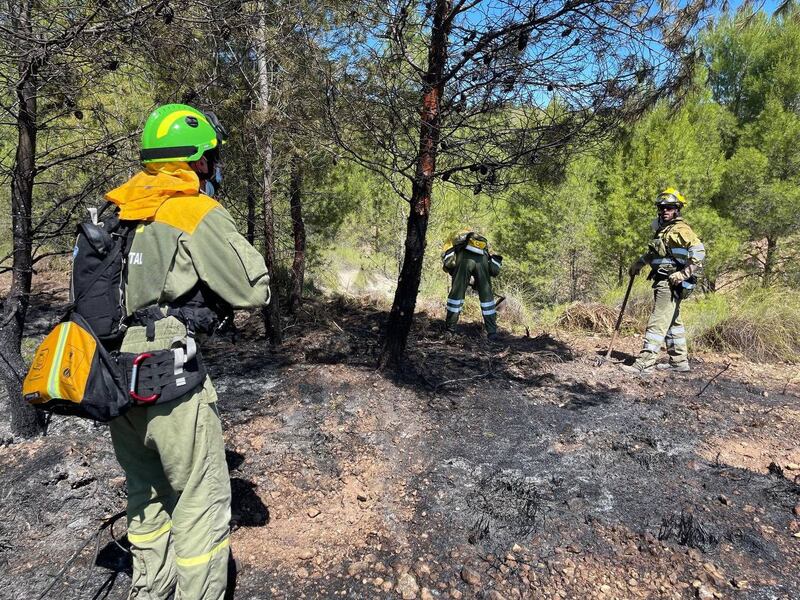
[(185, 257), (466, 258), (675, 255)]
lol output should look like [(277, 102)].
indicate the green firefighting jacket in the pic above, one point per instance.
[(184, 238), (675, 247)]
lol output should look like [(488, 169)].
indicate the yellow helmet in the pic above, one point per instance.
[(670, 197)]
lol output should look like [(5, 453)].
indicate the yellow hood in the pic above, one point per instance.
[(141, 196)]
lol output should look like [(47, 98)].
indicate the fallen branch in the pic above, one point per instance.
[(710, 381), (474, 377)]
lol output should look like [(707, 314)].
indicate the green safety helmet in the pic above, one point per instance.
[(180, 132)]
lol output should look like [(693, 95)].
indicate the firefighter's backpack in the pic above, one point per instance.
[(77, 369), (98, 271)]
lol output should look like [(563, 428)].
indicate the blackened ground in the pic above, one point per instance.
[(518, 471)]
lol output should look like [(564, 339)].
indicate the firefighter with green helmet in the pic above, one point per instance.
[(466, 257), (186, 259), (675, 255)]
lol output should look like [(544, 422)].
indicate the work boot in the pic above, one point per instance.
[(493, 339), (681, 367), (636, 369)]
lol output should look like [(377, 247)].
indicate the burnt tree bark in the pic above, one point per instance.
[(251, 206), (272, 312), (405, 297), (24, 421), (299, 234)]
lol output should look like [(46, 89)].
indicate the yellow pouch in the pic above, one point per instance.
[(73, 374)]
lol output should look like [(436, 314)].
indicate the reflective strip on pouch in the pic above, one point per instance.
[(679, 251), (687, 285), (54, 381), (143, 538), (202, 559), (661, 261), (497, 263), (486, 313), (474, 249), (489, 304)]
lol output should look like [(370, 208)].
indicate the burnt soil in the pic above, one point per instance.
[(518, 471)]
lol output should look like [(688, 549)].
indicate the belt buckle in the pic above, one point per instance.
[(134, 373)]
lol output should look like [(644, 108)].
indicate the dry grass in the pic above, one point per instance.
[(763, 325), (591, 316)]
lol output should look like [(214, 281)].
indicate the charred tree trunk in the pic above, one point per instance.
[(272, 312), (299, 234), (405, 297), (24, 421), (251, 207)]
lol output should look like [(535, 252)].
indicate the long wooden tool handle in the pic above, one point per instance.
[(619, 318)]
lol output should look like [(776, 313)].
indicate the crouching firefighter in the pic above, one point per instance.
[(185, 253), (675, 255), (466, 257)]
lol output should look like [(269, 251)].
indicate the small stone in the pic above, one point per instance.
[(306, 554), (361, 497), (356, 568), (455, 594), (407, 586), (740, 584), (470, 576), (387, 586), (422, 570), (605, 588), (378, 581), (575, 548), (632, 582), (313, 512), (705, 592), (793, 467), (724, 499), (517, 548), (302, 572), (426, 594)]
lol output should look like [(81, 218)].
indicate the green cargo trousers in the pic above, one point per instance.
[(470, 264), (665, 325), (179, 493)]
